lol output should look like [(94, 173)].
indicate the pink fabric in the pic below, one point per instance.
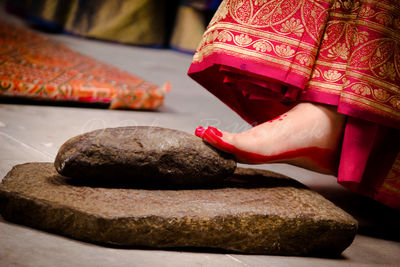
[(369, 153), (261, 58)]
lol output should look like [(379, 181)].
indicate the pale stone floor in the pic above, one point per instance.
[(31, 133)]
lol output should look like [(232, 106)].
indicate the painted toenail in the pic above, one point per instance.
[(199, 131), (215, 131)]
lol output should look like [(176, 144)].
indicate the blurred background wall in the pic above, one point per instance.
[(156, 23)]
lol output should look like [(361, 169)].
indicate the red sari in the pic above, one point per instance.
[(261, 57)]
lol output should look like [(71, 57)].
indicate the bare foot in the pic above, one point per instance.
[(308, 136)]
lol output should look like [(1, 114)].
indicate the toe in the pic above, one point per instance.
[(199, 131)]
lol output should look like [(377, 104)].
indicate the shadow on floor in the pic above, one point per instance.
[(374, 218), (73, 104), (42, 102)]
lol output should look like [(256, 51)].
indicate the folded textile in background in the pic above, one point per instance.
[(158, 23), (33, 66)]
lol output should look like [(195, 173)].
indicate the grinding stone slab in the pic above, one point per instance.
[(255, 211)]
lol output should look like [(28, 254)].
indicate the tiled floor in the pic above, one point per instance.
[(34, 133)]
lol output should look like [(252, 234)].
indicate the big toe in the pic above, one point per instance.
[(219, 139)]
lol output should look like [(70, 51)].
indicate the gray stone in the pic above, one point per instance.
[(143, 154), (255, 211)]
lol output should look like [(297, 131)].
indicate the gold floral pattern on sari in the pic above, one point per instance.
[(339, 52), (362, 43), (345, 48)]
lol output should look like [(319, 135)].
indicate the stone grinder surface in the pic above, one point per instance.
[(253, 211)]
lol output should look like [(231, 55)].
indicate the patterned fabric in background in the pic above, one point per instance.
[(157, 23), (34, 66)]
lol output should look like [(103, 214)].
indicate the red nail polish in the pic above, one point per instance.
[(215, 131), (199, 131), (213, 136)]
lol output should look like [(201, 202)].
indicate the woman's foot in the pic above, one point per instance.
[(308, 136)]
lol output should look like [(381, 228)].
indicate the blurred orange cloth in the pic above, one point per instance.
[(34, 66)]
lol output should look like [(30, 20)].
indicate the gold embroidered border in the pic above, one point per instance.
[(264, 62), (373, 80), (332, 87), (340, 66), (263, 34), (301, 70), (378, 27), (338, 90), (361, 76), (341, 15), (367, 24), (247, 52), (354, 98)]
